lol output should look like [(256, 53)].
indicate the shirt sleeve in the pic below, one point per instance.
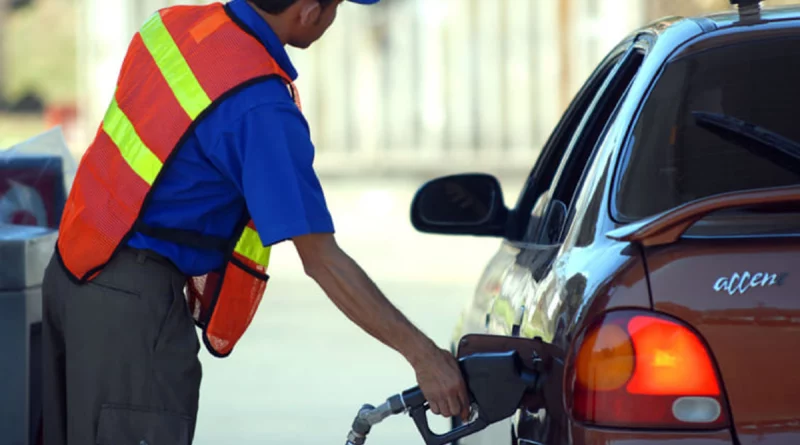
[(268, 153)]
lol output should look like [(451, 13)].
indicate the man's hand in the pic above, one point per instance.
[(349, 288), (440, 380)]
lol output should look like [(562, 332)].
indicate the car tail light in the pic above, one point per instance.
[(638, 369)]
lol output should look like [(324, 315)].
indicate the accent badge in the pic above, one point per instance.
[(741, 283)]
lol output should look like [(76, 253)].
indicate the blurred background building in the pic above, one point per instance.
[(427, 84)]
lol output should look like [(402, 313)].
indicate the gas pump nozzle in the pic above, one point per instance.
[(497, 383)]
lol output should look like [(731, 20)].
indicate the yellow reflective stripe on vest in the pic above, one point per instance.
[(138, 156), (174, 67), (249, 246)]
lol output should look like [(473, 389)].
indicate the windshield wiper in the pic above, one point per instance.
[(780, 150)]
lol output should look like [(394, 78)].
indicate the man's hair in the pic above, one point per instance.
[(274, 7)]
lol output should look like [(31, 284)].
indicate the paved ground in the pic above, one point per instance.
[(303, 369)]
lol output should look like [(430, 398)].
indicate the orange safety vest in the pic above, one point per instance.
[(179, 66)]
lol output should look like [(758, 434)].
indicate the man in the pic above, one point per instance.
[(202, 161)]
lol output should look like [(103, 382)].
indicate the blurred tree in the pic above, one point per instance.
[(40, 51), (16, 4)]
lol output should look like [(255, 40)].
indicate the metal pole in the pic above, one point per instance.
[(5, 8)]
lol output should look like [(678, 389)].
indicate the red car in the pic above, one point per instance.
[(655, 243)]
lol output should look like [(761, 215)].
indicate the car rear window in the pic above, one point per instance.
[(674, 160)]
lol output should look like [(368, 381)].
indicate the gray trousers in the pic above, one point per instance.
[(120, 363)]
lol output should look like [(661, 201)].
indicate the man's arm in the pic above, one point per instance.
[(266, 150), (352, 291)]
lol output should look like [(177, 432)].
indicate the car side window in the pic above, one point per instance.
[(579, 156), (541, 178), (547, 227)]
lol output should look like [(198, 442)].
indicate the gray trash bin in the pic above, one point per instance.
[(24, 254)]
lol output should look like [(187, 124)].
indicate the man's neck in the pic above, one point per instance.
[(276, 23)]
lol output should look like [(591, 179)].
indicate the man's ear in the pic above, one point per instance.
[(310, 11)]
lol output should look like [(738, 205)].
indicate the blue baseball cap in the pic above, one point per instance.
[(365, 2)]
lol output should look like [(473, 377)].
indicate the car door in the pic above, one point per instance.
[(498, 275), (513, 279), (514, 273), (548, 198)]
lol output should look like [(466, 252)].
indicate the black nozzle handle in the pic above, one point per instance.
[(415, 403), (420, 417)]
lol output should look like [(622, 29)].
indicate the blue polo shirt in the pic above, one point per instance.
[(252, 151)]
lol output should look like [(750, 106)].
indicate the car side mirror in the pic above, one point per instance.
[(467, 204)]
